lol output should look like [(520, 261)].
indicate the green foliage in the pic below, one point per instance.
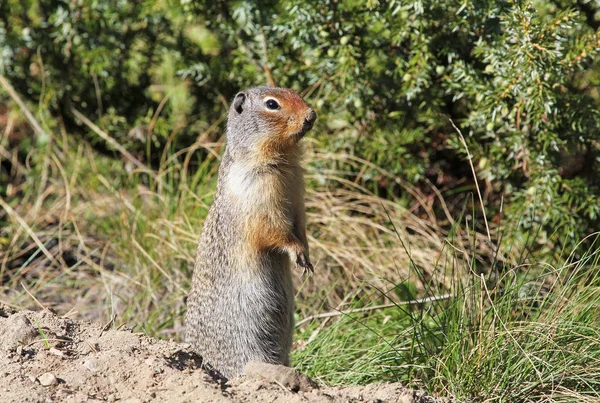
[(519, 78)]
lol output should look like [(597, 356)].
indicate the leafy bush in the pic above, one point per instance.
[(519, 78)]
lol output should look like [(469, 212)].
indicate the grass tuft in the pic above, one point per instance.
[(533, 336)]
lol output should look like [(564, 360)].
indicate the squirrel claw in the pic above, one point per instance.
[(307, 267)]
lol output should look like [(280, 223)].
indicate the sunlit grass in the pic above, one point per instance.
[(534, 335)]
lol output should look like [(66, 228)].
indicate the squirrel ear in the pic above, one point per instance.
[(238, 102)]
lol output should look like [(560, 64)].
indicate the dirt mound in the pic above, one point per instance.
[(45, 358)]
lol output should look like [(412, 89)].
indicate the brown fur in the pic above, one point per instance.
[(264, 234)]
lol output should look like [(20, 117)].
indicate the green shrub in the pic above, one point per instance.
[(519, 79)]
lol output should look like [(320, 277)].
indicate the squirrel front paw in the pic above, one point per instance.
[(298, 253), (303, 261)]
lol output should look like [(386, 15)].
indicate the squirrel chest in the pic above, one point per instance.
[(268, 200)]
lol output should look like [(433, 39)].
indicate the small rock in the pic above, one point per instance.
[(90, 365), (47, 379), (56, 352), (32, 378)]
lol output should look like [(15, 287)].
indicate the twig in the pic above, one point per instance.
[(98, 94), (108, 325), (13, 94), (91, 346), (464, 143), (372, 308), (266, 68), (113, 143)]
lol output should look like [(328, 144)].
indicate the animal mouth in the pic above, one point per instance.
[(305, 128), (308, 124)]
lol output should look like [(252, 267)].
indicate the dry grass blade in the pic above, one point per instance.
[(12, 213), (156, 265), (113, 143), (33, 297), (373, 308), (359, 239), (13, 94), (464, 143)]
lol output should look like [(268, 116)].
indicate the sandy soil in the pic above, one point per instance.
[(45, 358)]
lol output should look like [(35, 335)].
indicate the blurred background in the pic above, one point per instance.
[(112, 116)]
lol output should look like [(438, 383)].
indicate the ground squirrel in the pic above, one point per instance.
[(241, 303)]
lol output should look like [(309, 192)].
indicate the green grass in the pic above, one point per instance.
[(507, 328), (532, 336)]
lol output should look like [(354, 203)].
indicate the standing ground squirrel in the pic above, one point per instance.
[(241, 303)]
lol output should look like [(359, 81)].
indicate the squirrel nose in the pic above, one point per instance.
[(308, 122), (312, 116)]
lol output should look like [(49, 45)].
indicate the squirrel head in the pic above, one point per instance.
[(265, 124)]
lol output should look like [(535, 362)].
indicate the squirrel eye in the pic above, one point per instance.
[(272, 105)]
